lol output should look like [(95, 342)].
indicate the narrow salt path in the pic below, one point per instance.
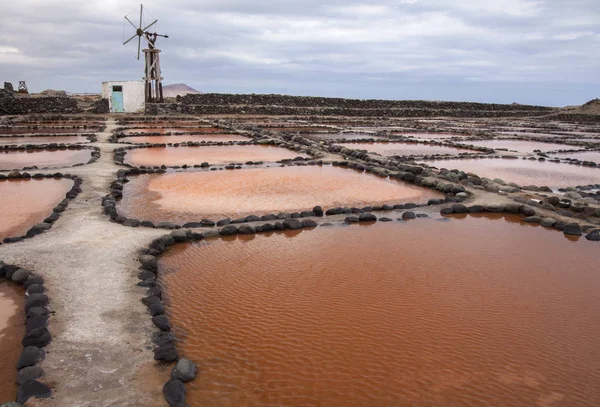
[(101, 354)]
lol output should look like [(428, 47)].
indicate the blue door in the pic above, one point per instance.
[(117, 99)]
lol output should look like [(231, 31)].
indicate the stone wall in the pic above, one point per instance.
[(17, 105)]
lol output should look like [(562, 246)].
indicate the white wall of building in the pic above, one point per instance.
[(134, 95)]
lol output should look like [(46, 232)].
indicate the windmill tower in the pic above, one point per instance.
[(152, 74)]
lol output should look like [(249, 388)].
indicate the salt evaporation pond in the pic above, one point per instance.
[(11, 334), (27, 202), (16, 159), (164, 130), (524, 172), (337, 136), (190, 196), (431, 136), (392, 148), (43, 140), (172, 156), (221, 138), (581, 156), (389, 315), (46, 130), (522, 146)]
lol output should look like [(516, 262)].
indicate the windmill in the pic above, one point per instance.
[(154, 92)]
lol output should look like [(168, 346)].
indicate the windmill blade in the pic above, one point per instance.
[(133, 25), (141, 12), (151, 24), (139, 46), (134, 35)]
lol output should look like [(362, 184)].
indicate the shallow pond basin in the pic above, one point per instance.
[(524, 172), (25, 203), (172, 156), (220, 138), (17, 159), (389, 315), (522, 146), (190, 196), (163, 130), (11, 333), (393, 148), (43, 140), (581, 156)]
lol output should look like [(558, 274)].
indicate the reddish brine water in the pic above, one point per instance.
[(524, 172), (431, 136), (221, 138), (42, 140), (190, 196), (347, 136), (172, 156), (16, 159), (522, 146), (27, 202), (389, 315), (11, 333), (390, 149), (585, 156), (163, 130)]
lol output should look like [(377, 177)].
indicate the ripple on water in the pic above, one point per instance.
[(473, 312), (190, 196)]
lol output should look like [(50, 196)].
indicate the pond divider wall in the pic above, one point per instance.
[(95, 155), (36, 336)]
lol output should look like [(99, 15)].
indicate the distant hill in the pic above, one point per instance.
[(178, 89)]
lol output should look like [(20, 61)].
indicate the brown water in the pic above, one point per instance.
[(522, 146), (25, 203), (390, 315), (182, 139), (390, 149), (164, 130), (525, 172), (11, 334), (43, 158), (586, 156), (212, 154), (191, 196), (42, 140)]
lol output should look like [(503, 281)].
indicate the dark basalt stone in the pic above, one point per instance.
[(147, 301), (307, 214), (459, 208), (594, 235), (32, 388), (292, 224), (573, 229), (309, 223), (446, 211), (166, 352), (408, 215), (385, 219), (252, 218), (174, 392), (39, 337), (246, 230), (334, 211), (36, 322), (36, 300), (28, 373), (229, 230), (147, 224), (149, 262), (318, 211), (367, 217), (476, 209), (33, 280), (30, 356), (162, 322)]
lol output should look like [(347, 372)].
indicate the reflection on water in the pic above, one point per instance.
[(10, 160), (521, 146), (390, 149), (525, 172), (25, 203), (190, 196), (157, 156), (182, 139), (11, 333), (42, 140), (390, 315)]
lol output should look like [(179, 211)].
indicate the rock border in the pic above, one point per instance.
[(89, 136), (36, 335), (56, 211)]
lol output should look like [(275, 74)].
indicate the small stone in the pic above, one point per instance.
[(28, 373), (351, 219), (408, 215), (149, 262), (185, 370), (573, 229), (533, 219), (309, 223), (593, 236), (156, 309), (547, 222), (179, 235), (39, 337), (32, 388), (318, 211), (36, 300), (166, 352), (228, 230), (162, 322), (30, 356), (459, 208), (20, 276), (174, 392), (292, 224), (446, 211), (367, 217), (384, 219), (246, 230)]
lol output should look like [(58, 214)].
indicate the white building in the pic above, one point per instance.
[(125, 96)]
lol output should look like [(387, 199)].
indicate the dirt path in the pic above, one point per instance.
[(101, 351)]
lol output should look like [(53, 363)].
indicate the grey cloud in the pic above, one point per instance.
[(528, 51)]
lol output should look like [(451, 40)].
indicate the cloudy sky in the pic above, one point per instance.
[(528, 51)]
